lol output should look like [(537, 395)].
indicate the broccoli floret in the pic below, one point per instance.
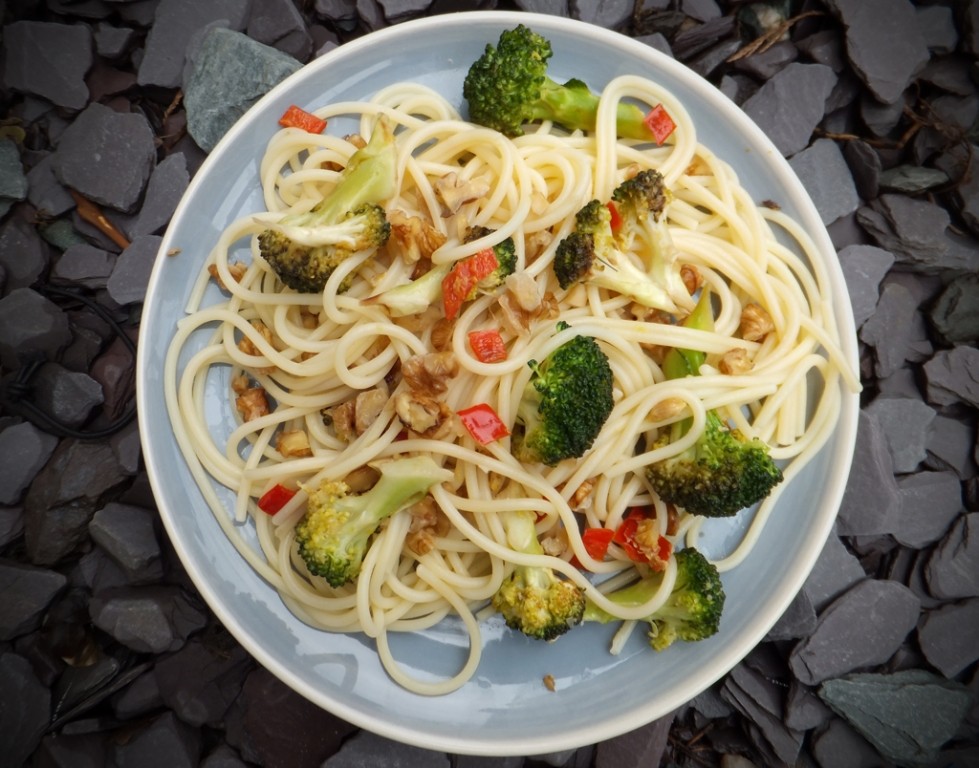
[(508, 87), (533, 599), (593, 253), (691, 612), (418, 295), (723, 471), (565, 404), (334, 534), (304, 249)]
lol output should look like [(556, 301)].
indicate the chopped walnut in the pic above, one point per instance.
[(419, 413), (691, 277), (646, 539), (523, 288), (453, 192), (236, 268), (756, 323), (555, 542), (441, 339), (252, 403), (293, 443), (428, 374), (522, 303), (248, 347), (356, 139), (415, 238), (735, 361), (427, 524), (308, 319), (354, 417), (536, 243), (550, 683), (582, 494), (667, 409), (240, 383)]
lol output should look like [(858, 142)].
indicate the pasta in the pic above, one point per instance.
[(309, 354)]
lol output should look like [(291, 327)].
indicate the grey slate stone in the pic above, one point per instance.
[(25, 449), (27, 592), (893, 328), (30, 323), (642, 746), (955, 314), (163, 741), (905, 423), (224, 756), (827, 179), (175, 23), (107, 156), (864, 266), (790, 105), (865, 165), (930, 501), (912, 179), (870, 500), (907, 716), (949, 636), (13, 182), (915, 231), (798, 620), (953, 375), (884, 43), (201, 680), (824, 47), (366, 749), (938, 27), (166, 186), (394, 11), (23, 254), (131, 273), (61, 78), (231, 73), (761, 701), (881, 119), (112, 42), (835, 571), (147, 619), (952, 570), (85, 265), (804, 710), (611, 14), (11, 525), (25, 709), (766, 64), (68, 396), (44, 190), (860, 629), (128, 535), (951, 445), (839, 746), (280, 24)]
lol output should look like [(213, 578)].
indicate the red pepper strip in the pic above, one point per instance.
[(275, 498), (596, 541), (459, 285), (483, 423), (625, 537), (296, 117), (488, 346), (615, 222), (660, 123)]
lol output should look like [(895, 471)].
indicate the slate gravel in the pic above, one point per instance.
[(109, 656)]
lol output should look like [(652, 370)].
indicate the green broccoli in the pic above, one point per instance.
[(418, 295), (533, 599), (508, 87), (334, 534), (565, 404), (691, 612), (304, 249), (593, 253), (723, 471)]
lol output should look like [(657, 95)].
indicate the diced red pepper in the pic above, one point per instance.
[(488, 346), (615, 222), (660, 123), (483, 424), (596, 541), (459, 285), (297, 117), (275, 498), (625, 537)]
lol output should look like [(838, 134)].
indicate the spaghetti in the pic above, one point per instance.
[(309, 354)]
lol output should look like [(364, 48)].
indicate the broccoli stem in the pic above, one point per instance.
[(574, 106)]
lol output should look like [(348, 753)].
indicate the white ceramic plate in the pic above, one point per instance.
[(504, 709)]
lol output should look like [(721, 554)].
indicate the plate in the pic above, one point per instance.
[(504, 709)]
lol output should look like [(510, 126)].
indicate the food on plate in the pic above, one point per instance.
[(502, 372)]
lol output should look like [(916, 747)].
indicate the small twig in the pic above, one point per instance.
[(91, 213), (763, 42)]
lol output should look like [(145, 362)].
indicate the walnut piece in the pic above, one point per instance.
[(252, 403), (427, 524), (453, 192), (735, 361), (415, 238), (756, 323), (293, 443), (429, 374), (236, 268), (355, 416)]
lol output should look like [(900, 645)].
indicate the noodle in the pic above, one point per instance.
[(309, 354)]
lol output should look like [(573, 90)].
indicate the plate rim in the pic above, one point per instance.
[(843, 436)]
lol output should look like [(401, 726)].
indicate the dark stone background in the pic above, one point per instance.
[(108, 656)]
